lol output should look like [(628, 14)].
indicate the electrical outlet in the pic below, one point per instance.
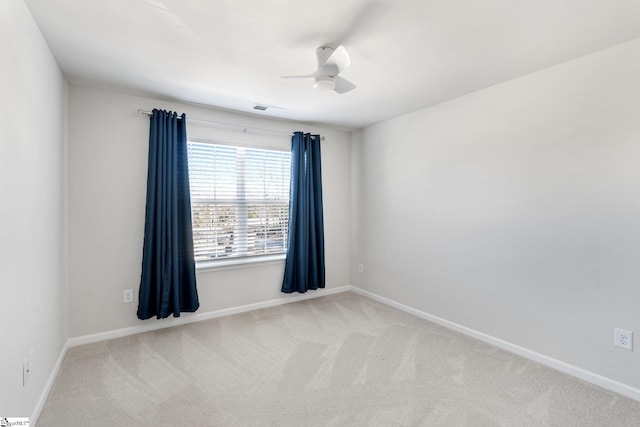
[(25, 372), (623, 339), (128, 296), (361, 268), (26, 369)]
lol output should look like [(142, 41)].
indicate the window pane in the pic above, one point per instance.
[(240, 200), (267, 228), (214, 226)]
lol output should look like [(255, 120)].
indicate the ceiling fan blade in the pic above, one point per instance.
[(343, 85), (340, 59), (308, 76)]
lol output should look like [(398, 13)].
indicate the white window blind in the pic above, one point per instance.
[(239, 200)]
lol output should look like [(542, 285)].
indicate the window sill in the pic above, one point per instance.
[(229, 264)]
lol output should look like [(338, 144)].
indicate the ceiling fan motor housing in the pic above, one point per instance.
[(324, 83), (331, 62)]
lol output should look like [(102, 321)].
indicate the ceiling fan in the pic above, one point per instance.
[(331, 62)]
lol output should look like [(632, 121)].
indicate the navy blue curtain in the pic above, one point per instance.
[(304, 267), (168, 283)]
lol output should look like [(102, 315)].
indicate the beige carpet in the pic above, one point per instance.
[(340, 360)]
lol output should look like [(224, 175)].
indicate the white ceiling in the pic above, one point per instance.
[(406, 54)]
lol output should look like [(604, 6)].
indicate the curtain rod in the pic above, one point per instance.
[(244, 128)]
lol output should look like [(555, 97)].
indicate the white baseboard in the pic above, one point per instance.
[(198, 317), (33, 419), (569, 369), (168, 323), (593, 378)]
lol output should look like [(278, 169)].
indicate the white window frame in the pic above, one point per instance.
[(241, 260)]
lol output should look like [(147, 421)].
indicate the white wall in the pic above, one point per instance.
[(514, 211), (108, 142), (32, 204)]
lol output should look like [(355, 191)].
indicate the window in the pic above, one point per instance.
[(239, 200)]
